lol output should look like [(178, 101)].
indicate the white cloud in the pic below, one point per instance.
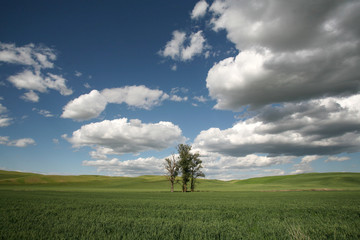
[(196, 47), (304, 166), (174, 67), (201, 99), (121, 136), (30, 96), (289, 51), (31, 55), (87, 85), (37, 58), (336, 159), (4, 119), (178, 49), (34, 81), (43, 112), (319, 127), (129, 168), (29, 80), (177, 98), (174, 47), (91, 105), (135, 96), (199, 9), (23, 142), (78, 74), (85, 107), (57, 82)]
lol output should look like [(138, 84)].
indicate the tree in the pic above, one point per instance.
[(190, 166), (195, 170), (172, 170), (184, 164)]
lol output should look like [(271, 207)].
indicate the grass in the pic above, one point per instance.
[(34, 206), (310, 181), (162, 215)]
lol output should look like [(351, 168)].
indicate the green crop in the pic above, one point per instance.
[(165, 215)]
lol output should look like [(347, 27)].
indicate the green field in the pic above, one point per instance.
[(96, 207)]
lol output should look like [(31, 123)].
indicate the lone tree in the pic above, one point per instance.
[(190, 166), (172, 170)]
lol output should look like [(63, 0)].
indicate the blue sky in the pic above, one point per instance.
[(258, 88)]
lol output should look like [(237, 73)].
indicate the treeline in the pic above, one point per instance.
[(187, 164)]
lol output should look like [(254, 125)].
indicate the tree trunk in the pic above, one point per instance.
[(172, 187)]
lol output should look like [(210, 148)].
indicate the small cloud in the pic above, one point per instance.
[(86, 85), (337, 159), (176, 98), (23, 142), (201, 99), (43, 112), (199, 10), (178, 50), (78, 74), (30, 96), (179, 89), (174, 67), (55, 140)]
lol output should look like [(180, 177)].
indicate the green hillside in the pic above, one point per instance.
[(310, 181)]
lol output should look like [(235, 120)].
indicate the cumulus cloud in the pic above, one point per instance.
[(289, 51), (31, 55), (318, 127), (91, 105), (30, 96), (177, 98), (35, 81), (23, 142), (199, 9), (179, 49), (221, 166), (37, 58), (121, 136), (135, 96), (85, 107), (129, 168), (4, 119)]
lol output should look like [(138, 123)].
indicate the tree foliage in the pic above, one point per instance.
[(190, 166), (172, 170)]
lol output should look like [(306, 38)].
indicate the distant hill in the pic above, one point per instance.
[(309, 181)]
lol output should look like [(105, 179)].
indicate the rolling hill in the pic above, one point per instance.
[(309, 181)]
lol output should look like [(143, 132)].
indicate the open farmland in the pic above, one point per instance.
[(75, 209)]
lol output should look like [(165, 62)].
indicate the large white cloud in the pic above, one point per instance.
[(85, 107), (121, 136), (289, 51), (318, 127), (91, 105)]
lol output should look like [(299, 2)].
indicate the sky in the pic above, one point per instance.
[(257, 88)]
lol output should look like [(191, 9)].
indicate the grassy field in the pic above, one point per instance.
[(96, 207), (310, 181)]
